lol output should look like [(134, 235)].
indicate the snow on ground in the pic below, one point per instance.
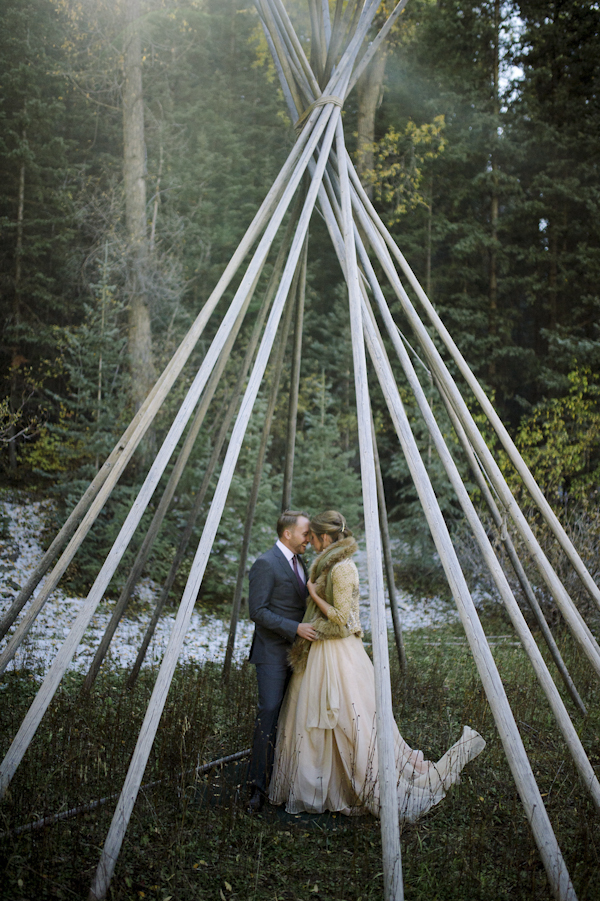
[(206, 638), (415, 612)]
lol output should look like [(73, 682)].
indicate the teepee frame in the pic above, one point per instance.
[(319, 170)]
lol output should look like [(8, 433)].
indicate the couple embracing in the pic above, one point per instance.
[(315, 746)]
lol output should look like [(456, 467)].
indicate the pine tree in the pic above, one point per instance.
[(36, 208), (557, 124)]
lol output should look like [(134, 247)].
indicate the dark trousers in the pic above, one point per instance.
[(272, 681)]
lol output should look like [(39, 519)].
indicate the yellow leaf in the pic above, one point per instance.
[(227, 887), (222, 895)]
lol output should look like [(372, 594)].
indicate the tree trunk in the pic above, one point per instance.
[(140, 335), (370, 93), (429, 230), (493, 312), (16, 358)]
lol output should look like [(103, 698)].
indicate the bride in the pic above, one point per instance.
[(326, 753)]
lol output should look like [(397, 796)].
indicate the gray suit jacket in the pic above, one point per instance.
[(276, 605)]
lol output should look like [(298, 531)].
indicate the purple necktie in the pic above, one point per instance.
[(297, 573)]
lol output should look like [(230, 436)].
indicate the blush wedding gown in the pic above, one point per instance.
[(326, 752)]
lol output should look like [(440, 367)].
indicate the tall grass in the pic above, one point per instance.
[(193, 840)]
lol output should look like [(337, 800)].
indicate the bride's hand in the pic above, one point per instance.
[(311, 590), (321, 604)]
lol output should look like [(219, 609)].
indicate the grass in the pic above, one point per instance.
[(195, 841)]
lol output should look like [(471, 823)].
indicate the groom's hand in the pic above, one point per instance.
[(305, 630)]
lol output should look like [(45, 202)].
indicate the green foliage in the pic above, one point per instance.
[(36, 203), (399, 159), (560, 441), (451, 145), (420, 567), (324, 477)]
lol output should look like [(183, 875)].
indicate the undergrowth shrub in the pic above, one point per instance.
[(192, 839)]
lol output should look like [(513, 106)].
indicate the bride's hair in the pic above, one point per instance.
[(330, 523)]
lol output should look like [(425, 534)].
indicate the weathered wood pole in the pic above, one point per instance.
[(387, 556), (324, 119), (521, 769), (390, 831), (79, 522), (541, 670), (258, 471), (570, 612), (155, 707), (550, 853), (165, 501), (290, 446), (218, 444), (375, 44), (512, 555), (514, 455), (523, 776)]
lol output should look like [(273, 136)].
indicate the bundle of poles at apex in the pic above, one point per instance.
[(319, 169)]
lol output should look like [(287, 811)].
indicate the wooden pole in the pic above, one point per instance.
[(326, 22), (550, 853), (390, 832), (507, 442), (572, 615), (297, 85), (179, 468), (58, 543), (336, 40), (290, 446), (84, 515), (387, 556), (519, 765), (258, 470), (332, 215), (326, 119), (512, 555), (72, 812), (219, 442), (121, 454), (518, 620), (339, 80), (165, 501), (296, 47), (148, 731), (375, 44), (321, 118)]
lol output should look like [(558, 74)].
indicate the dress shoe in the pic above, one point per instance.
[(256, 802)]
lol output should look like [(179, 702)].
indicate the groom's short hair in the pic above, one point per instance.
[(289, 518)]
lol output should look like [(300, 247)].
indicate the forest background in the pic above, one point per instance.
[(477, 134)]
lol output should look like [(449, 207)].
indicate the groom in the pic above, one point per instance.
[(277, 602)]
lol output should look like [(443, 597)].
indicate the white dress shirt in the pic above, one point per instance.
[(289, 555)]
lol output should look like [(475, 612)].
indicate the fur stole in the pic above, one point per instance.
[(320, 576)]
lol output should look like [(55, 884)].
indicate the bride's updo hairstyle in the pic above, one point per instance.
[(330, 523)]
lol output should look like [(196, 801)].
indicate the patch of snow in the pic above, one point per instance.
[(415, 612), (206, 638)]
